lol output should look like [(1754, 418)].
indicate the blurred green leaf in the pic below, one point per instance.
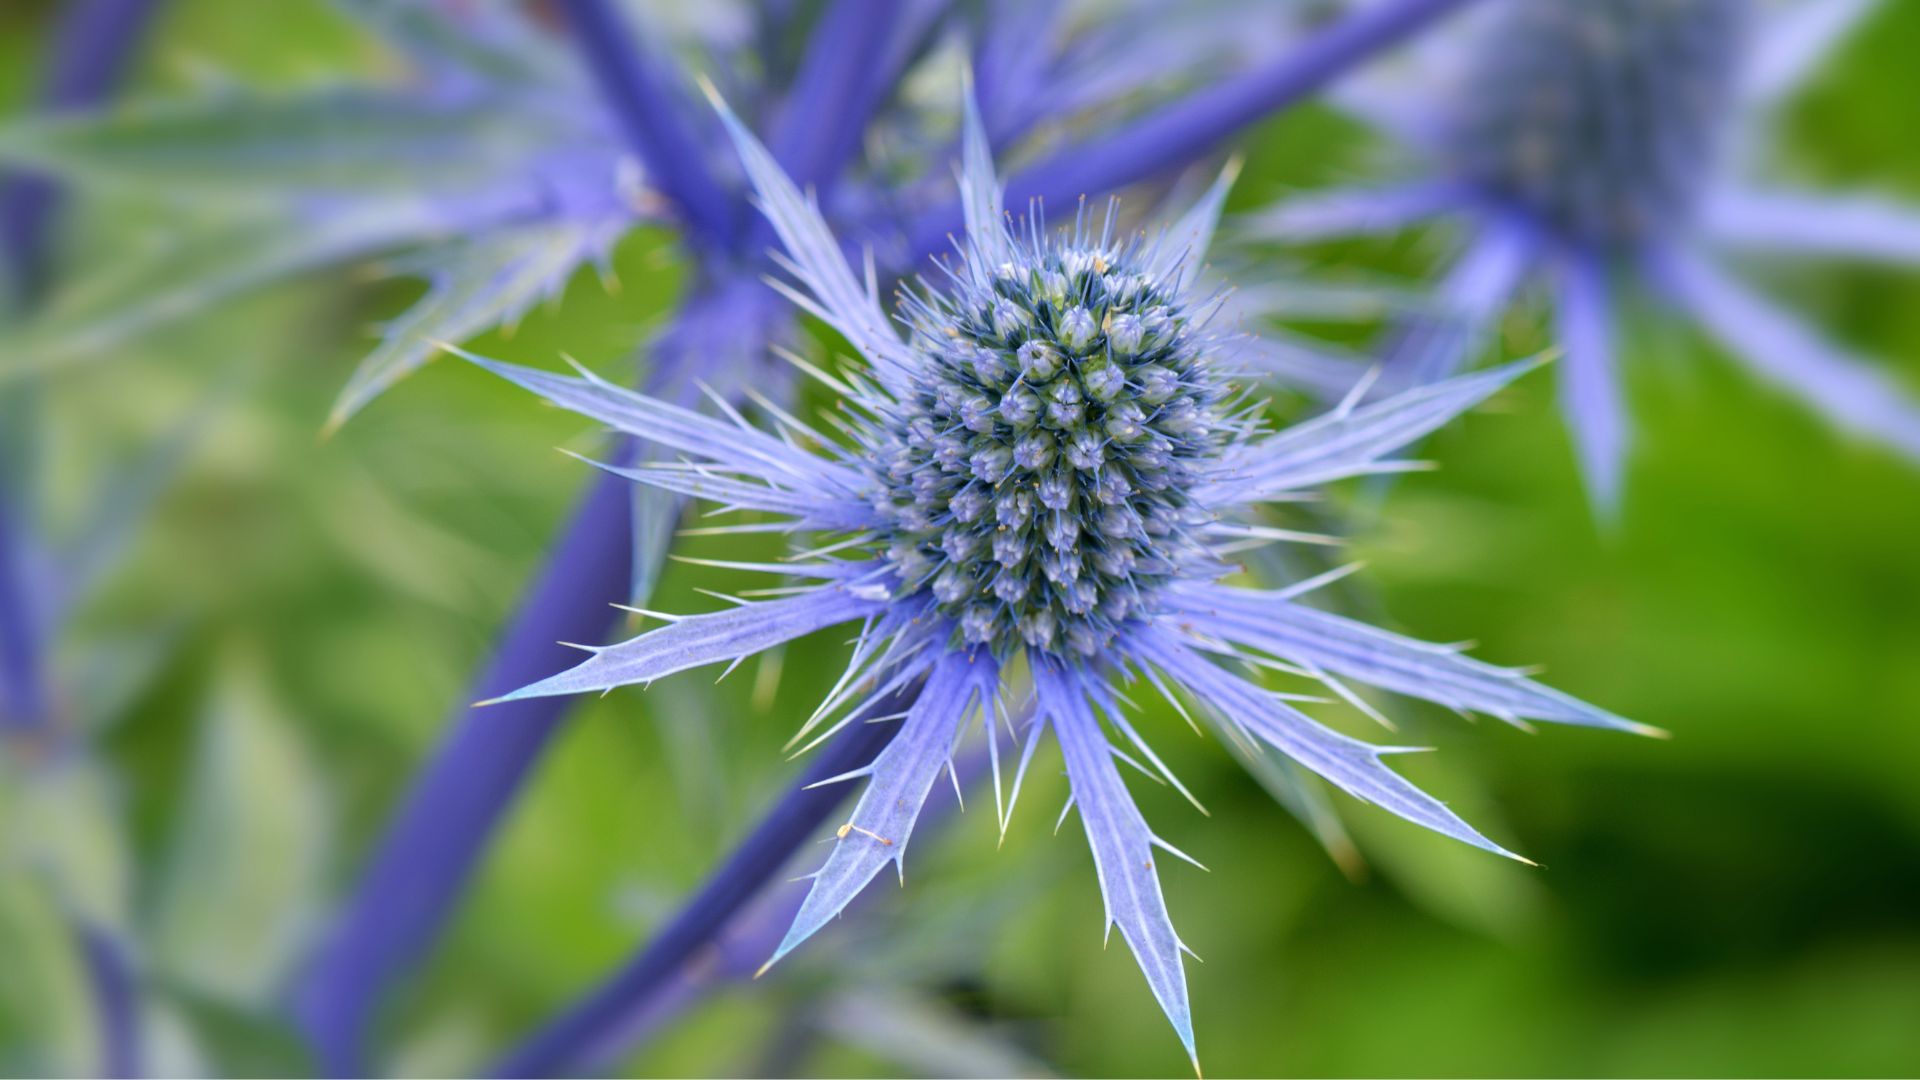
[(203, 264), (923, 1035), (169, 1046), (1468, 888), (475, 285), (1299, 792), (122, 504), (60, 825), (412, 553), (493, 41), (47, 1023), (107, 673), (243, 878), (246, 149)]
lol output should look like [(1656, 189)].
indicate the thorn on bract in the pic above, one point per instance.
[(850, 827)]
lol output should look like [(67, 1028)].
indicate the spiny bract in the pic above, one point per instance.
[(1036, 475), (1601, 115)]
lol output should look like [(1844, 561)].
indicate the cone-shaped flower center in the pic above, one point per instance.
[(1601, 116), (1037, 474)]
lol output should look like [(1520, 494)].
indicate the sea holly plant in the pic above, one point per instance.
[(719, 335), (1596, 146), (1041, 485)]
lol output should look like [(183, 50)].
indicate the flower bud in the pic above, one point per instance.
[(1077, 329)]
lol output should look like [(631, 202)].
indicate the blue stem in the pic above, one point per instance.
[(854, 54), (116, 999), (1176, 134), (588, 1031), (440, 831), (820, 122), (650, 111), (23, 693), (1012, 58), (738, 949)]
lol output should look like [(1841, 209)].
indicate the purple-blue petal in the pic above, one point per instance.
[(1121, 841), (1322, 641), (639, 86), (1349, 764), (1348, 441), (1791, 354), (1467, 306), (1349, 212), (698, 640), (1589, 384), (901, 778), (1803, 223)]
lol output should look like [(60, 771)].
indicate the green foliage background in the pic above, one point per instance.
[(1742, 900)]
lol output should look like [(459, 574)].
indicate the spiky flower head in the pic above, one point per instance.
[(1036, 475), (1601, 116), (1045, 470)]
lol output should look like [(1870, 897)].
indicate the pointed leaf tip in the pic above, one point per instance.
[(1121, 842), (336, 419), (902, 777), (711, 93)]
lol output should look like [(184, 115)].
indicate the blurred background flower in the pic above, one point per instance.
[(1739, 900), (1612, 144)]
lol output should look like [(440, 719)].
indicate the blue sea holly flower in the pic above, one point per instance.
[(1044, 476), (1595, 143)]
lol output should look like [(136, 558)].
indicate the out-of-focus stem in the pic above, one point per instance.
[(438, 834), (738, 949), (593, 1028), (854, 54), (116, 999), (1175, 134), (23, 697), (820, 122), (651, 114)]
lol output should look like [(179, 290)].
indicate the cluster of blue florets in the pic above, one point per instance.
[(1037, 474), (1599, 116)]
